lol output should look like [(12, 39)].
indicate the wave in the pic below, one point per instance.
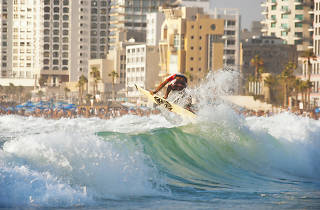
[(84, 162)]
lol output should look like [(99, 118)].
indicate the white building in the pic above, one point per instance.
[(232, 30), (290, 20), (315, 62), (142, 69), (154, 23), (205, 4), (21, 41)]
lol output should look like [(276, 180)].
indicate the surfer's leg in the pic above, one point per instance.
[(168, 91)]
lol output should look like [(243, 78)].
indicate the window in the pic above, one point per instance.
[(65, 2), (64, 62), (56, 2), (65, 9), (55, 54), (273, 7), (56, 17), (273, 25), (56, 47), (298, 25), (65, 25), (66, 17), (46, 61), (299, 17), (55, 62), (56, 9), (55, 39), (299, 7), (47, 9)]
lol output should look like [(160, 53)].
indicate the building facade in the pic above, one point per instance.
[(273, 52), (312, 71), (142, 69), (191, 43), (130, 17), (232, 31), (154, 22), (20, 42), (290, 20)]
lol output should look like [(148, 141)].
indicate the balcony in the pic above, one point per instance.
[(297, 20), (310, 29), (285, 11), (264, 4), (264, 12), (298, 2), (285, 29)]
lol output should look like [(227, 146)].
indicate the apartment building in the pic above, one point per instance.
[(153, 30), (130, 17), (142, 69), (74, 32), (313, 72), (232, 32), (191, 43), (21, 40), (290, 20), (205, 4), (4, 50)]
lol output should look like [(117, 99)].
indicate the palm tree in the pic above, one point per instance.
[(297, 85), (95, 74), (270, 82), (40, 94), (81, 83), (113, 76), (20, 90), (66, 91), (258, 63), (287, 77), (309, 55), (42, 81)]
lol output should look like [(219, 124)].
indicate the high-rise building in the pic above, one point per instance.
[(205, 4), (191, 43), (4, 54), (130, 17), (311, 67), (232, 31), (290, 20), (74, 32), (154, 22), (52, 38), (21, 40)]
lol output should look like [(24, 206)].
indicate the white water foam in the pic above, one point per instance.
[(66, 159)]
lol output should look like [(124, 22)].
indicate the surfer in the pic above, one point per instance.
[(178, 82)]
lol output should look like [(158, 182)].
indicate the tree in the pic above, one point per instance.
[(297, 86), (81, 83), (42, 81), (113, 76), (40, 94), (308, 55), (66, 91), (270, 82), (258, 63), (287, 79), (95, 74), (20, 90)]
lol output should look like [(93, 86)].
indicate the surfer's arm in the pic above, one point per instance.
[(164, 84)]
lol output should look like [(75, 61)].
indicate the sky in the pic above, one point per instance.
[(250, 10)]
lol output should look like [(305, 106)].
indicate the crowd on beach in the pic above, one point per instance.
[(64, 110)]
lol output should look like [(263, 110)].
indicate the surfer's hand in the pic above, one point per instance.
[(152, 92)]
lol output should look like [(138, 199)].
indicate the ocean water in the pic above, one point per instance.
[(220, 161)]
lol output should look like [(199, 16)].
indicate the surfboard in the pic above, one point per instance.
[(167, 104)]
